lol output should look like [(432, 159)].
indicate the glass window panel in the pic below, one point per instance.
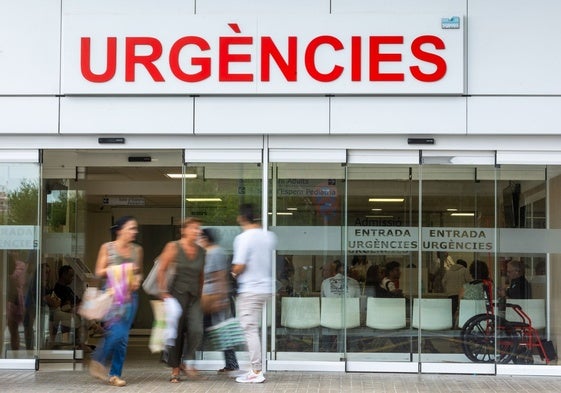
[(19, 204)]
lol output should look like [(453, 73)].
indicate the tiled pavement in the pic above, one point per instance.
[(147, 374), (154, 379)]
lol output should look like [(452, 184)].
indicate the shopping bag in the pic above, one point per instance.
[(96, 303), (150, 283), (228, 334), (157, 335)]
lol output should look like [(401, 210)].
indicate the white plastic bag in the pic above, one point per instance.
[(96, 303), (157, 335)]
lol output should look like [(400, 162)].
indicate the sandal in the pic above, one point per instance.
[(191, 373), (174, 378)]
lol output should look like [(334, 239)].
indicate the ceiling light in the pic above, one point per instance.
[(386, 199), (282, 213), (452, 210), (181, 175), (462, 214), (203, 199), (378, 216), (377, 209), (292, 208)]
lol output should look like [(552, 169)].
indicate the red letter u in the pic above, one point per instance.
[(85, 60)]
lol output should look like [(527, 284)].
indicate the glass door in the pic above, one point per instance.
[(64, 272), (418, 225), (528, 245), (312, 311), (382, 230), (215, 184), (20, 295), (85, 192), (458, 245)]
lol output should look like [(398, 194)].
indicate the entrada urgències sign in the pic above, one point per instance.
[(332, 54)]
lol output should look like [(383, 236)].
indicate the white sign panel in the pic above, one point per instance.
[(364, 240), (18, 237), (458, 239), (266, 54), (398, 239)]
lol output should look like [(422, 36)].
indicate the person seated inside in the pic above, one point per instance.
[(453, 281), (519, 287), (49, 302), (475, 289), (335, 286), (389, 287), (66, 315), (374, 277)]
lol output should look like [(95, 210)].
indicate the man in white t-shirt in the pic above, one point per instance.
[(335, 286), (252, 267)]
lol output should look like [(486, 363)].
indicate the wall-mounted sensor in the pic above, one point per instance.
[(420, 141), (140, 159)]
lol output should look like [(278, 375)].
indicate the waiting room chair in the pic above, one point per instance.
[(534, 308), (333, 317), (469, 308), (300, 312), (432, 314), (301, 316), (385, 313), (338, 314)]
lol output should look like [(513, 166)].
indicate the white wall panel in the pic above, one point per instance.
[(513, 47), (308, 155), (237, 7), (357, 156), (28, 115), (398, 115), (223, 155), (126, 7), (514, 115), (19, 156), (261, 115), (126, 115), (29, 47), (526, 157), (402, 6)]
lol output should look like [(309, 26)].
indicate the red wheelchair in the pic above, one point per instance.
[(490, 338)]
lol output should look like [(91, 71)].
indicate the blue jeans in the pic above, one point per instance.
[(114, 345)]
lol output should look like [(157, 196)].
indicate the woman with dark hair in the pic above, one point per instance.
[(475, 289), (120, 263)]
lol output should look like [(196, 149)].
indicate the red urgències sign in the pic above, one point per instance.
[(424, 48)]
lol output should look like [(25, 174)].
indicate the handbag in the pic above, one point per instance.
[(214, 302), (96, 303), (150, 284)]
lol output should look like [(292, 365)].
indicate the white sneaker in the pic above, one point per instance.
[(251, 377)]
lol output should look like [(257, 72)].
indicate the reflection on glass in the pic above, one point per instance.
[(18, 243)]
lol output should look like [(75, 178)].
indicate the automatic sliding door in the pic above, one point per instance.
[(307, 213), (213, 192), (528, 257), (457, 228), (382, 228), (19, 241)]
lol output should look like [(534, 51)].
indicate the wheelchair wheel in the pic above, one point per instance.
[(523, 356), (479, 336)]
